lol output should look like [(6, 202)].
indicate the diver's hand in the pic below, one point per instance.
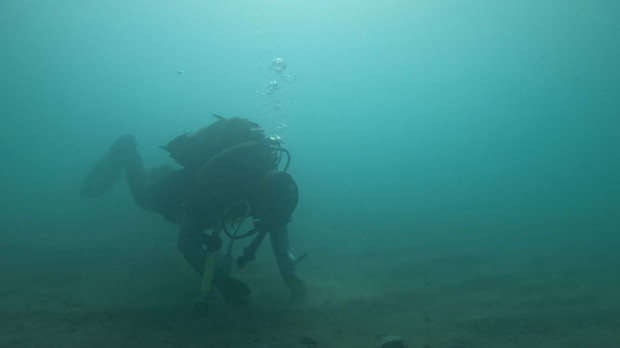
[(296, 286)]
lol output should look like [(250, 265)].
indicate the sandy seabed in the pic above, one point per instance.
[(97, 296)]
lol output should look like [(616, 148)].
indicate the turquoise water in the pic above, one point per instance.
[(466, 125)]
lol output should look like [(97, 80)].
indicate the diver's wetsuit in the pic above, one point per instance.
[(173, 194)]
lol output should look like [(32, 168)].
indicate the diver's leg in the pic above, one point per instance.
[(137, 178), (190, 242), (121, 156), (286, 262), (125, 152), (106, 171)]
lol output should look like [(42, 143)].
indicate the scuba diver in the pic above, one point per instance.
[(229, 172)]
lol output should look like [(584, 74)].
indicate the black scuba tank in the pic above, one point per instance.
[(193, 151)]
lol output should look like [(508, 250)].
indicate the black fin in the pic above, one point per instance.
[(108, 169)]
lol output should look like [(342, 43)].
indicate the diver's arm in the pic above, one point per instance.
[(279, 199), (286, 262)]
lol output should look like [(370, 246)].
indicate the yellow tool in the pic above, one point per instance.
[(202, 304), (207, 275)]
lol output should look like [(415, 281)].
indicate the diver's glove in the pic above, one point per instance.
[(296, 286)]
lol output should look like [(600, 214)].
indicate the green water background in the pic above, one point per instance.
[(466, 125)]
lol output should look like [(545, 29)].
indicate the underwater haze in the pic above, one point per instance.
[(458, 165)]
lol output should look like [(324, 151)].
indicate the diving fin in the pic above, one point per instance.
[(106, 171)]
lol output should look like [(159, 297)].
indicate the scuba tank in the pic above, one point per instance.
[(192, 151)]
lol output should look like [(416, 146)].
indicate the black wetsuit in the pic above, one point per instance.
[(173, 193)]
